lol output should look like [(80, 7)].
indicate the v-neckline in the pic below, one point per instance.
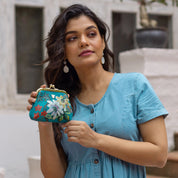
[(94, 104)]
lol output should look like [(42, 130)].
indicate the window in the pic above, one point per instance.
[(124, 25), (164, 22), (29, 48)]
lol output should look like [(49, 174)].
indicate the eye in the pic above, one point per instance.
[(92, 34), (71, 38)]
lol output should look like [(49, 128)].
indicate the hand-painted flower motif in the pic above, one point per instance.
[(44, 113), (55, 109), (38, 108), (36, 115), (64, 101)]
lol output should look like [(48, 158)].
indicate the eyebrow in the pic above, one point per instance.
[(90, 27)]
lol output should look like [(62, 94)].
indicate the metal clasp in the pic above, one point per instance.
[(52, 86)]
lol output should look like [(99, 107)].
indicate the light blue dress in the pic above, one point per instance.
[(128, 101)]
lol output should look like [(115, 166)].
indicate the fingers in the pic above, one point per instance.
[(73, 123), (73, 134), (73, 139), (32, 98), (33, 94), (80, 132), (30, 101), (71, 128), (43, 86), (75, 128), (29, 107)]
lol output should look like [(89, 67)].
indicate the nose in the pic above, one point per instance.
[(83, 41)]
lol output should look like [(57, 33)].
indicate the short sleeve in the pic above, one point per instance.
[(148, 104)]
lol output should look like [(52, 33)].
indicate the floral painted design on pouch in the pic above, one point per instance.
[(52, 107), (64, 101), (55, 109)]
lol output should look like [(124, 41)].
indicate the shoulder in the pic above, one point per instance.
[(130, 82), (127, 82), (129, 77)]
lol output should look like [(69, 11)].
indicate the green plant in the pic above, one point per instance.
[(145, 21), (146, 2)]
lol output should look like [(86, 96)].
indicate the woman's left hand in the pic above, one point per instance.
[(80, 132)]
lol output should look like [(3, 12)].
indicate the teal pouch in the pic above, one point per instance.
[(51, 105)]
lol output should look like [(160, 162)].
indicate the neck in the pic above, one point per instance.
[(92, 79)]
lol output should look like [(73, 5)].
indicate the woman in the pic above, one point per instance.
[(118, 123)]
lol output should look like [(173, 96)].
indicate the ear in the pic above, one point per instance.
[(65, 57), (103, 43)]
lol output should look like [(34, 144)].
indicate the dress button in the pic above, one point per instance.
[(91, 125), (96, 161), (92, 110)]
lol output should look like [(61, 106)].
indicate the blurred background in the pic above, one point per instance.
[(24, 25)]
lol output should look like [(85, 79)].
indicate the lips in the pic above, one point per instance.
[(85, 53)]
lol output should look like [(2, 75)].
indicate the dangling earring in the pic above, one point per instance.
[(103, 59), (65, 68)]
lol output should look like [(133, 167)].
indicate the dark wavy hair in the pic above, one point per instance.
[(56, 52)]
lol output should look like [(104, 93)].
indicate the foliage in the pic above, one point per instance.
[(145, 21), (148, 2)]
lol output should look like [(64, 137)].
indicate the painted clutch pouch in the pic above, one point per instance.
[(51, 105)]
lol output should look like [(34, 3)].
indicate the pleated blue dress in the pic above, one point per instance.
[(129, 101)]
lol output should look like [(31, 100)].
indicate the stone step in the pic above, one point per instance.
[(176, 140), (170, 169)]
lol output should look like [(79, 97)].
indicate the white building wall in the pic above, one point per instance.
[(17, 133)]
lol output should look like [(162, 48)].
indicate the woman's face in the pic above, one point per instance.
[(83, 43)]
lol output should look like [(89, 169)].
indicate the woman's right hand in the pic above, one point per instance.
[(32, 98)]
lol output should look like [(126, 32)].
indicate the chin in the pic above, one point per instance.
[(89, 63)]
